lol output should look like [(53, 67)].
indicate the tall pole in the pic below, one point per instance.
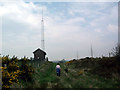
[(91, 52), (77, 55), (42, 33), (109, 54)]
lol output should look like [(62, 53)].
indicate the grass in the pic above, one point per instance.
[(45, 74), (88, 80), (45, 77), (92, 81)]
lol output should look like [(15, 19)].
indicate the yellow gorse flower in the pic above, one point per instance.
[(69, 62), (80, 72), (6, 86), (11, 73)]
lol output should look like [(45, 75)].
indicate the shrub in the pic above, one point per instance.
[(69, 62), (26, 75), (5, 60), (116, 51), (9, 78), (80, 72), (12, 73)]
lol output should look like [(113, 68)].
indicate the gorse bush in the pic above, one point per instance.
[(5, 60), (81, 72), (26, 75), (13, 65), (69, 62), (12, 73), (9, 78)]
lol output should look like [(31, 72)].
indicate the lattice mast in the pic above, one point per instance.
[(42, 33), (91, 52), (77, 55)]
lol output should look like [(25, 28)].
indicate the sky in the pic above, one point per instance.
[(69, 27)]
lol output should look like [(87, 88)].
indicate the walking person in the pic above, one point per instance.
[(58, 69)]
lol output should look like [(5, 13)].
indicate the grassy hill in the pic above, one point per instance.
[(81, 74)]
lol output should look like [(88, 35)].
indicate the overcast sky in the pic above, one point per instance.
[(69, 28)]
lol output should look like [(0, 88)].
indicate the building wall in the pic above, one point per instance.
[(39, 55)]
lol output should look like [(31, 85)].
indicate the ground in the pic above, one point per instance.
[(45, 77)]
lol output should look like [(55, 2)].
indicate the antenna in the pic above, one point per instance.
[(77, 55), (91, 52), (42, 13), (42, 33), (109, 54)]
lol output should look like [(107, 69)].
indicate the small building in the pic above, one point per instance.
[(39, 54)]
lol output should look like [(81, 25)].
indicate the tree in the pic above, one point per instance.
[(116, 52)]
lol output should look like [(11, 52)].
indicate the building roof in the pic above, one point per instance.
[(40, 51)]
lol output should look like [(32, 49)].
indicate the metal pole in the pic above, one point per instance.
[(42, 33)]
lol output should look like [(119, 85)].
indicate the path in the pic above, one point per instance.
[(65, 80)]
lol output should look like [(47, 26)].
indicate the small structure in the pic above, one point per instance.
[(39, 54)]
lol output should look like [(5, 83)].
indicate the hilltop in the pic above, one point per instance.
[(85, 73)]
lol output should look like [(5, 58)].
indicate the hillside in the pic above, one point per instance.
[(81, 74)]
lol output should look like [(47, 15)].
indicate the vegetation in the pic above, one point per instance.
[(84, 73), (12, 73)]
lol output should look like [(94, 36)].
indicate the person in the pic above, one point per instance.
[(58, 69), (66, 70)]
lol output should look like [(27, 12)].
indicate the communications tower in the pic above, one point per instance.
[(42, 33), (91, 51)]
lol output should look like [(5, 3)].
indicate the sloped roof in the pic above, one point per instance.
[(39, 50)]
